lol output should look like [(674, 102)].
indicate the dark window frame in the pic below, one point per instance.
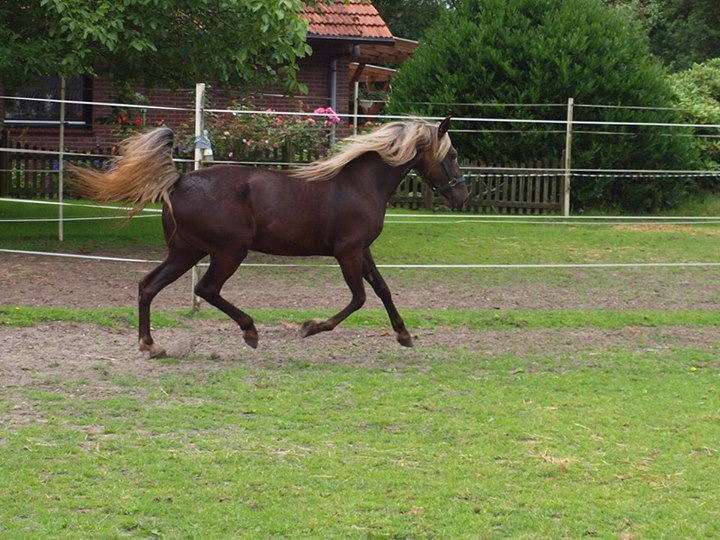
[(44, 113)]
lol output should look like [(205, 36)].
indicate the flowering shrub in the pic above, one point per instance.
[(244, 134), (128, 120)]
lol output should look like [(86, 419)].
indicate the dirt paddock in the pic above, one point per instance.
[(44, 354)]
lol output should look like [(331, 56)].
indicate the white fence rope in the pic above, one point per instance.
[(55, 203), (399, 266), (530, 220), (507, 172), (325, 98), (575, 122), (98, 103), (55, 220), (399, 117), (482, 120), (421, 218)]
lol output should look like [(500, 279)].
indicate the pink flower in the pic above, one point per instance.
[(311, 121), (332, 116)]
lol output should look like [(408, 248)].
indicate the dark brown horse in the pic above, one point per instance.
[(333, 207)]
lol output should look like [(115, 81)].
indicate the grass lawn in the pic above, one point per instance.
[(404, 240), (475, 319), (567, 439), (444, 444)]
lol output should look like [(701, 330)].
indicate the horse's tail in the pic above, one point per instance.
[(143, 172)]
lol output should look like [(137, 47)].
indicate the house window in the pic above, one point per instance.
[(31, 112)]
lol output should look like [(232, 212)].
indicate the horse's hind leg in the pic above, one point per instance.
[(351, 266), (376, 281), (209, 286), (178, 261)]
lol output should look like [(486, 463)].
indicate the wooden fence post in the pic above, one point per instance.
[(428, 196), (288, 154), (5, 172), (568, 157)]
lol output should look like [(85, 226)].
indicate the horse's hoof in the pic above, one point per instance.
[(308, 328), (405, 341), (251, 337)]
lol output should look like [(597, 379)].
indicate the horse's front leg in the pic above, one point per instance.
[(376, 281), (352, 269)]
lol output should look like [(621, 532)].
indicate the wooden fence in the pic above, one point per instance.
[(26, 174), (515, 190)]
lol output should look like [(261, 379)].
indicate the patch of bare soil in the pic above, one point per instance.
[(89, 361), (48, 356), (51, 281)]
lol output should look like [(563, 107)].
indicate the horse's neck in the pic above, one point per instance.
[(384, 178)]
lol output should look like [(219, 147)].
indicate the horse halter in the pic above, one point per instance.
[(451, 181)]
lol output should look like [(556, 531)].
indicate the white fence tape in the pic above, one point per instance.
[(55, 203), (451, 218), (401, 266)]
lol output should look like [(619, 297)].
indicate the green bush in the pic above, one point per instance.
[(698, 91), (493, 52)]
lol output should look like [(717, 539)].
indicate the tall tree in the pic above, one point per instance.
[(494, 53), (246, 42), (681, 32), (687, 32), (410, 18)]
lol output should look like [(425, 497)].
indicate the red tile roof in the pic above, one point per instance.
[(341, 19)]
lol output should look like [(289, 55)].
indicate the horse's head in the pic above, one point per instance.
[(441, 171)]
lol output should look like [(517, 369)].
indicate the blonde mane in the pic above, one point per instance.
[(397, 143)]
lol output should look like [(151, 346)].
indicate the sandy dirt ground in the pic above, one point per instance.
[(47, 354), (30, 280)]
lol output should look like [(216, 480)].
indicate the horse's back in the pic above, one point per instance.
[(234, 207)]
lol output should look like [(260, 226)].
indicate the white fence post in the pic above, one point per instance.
[(568, 158), (199, 126), (356, 97), (61, 158)]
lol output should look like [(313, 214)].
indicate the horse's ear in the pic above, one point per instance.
[(444, 126)]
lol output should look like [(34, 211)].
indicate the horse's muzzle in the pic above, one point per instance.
[(459, 196)]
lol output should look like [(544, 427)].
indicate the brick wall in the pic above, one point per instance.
[(314, 72)]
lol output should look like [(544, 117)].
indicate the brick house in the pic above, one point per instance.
[(346, 39)]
